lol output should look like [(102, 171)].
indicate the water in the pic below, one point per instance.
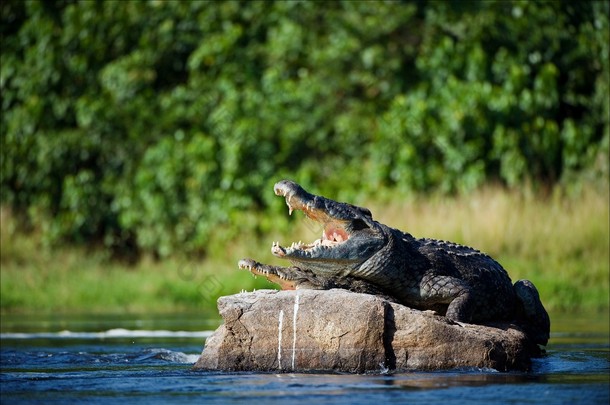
[(148, 359)]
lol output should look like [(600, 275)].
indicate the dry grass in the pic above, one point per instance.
[(561, 243)]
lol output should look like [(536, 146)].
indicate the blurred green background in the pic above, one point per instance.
[(153, 131)]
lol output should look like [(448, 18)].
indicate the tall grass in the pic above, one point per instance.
[(559, 242)]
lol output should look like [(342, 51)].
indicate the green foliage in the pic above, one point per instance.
[(150, 125)]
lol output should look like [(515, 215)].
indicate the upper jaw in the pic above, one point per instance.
[(296, 196), (316, 207), (319, 209), (299, 199), (338, 220)]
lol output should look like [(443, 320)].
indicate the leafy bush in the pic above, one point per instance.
[(151, 125)]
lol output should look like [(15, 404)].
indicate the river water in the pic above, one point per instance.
[(131, 359)]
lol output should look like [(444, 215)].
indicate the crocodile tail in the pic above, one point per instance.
[(536, 320)]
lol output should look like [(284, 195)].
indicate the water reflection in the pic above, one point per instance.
[(414, 380), (93, 368)]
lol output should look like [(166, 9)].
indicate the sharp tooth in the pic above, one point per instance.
[(289, 210)]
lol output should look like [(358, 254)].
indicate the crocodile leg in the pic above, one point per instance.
[(451, 291)]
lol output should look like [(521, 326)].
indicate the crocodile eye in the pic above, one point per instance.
[(358, 225)]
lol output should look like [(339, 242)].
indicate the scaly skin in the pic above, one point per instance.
[(360, 254), (292, 278)]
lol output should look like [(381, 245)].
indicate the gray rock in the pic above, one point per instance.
[(338, 330)]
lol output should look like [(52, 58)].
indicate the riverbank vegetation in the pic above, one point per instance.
[(560, 242), (146, 127), (140, 140)]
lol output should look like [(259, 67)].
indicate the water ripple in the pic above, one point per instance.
[(109, 334)]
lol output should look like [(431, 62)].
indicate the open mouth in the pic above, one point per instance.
[(333, 234)]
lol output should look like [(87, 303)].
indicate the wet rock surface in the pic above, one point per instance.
[(342, 331)]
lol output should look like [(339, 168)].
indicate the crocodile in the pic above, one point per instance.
[(360, 254)]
